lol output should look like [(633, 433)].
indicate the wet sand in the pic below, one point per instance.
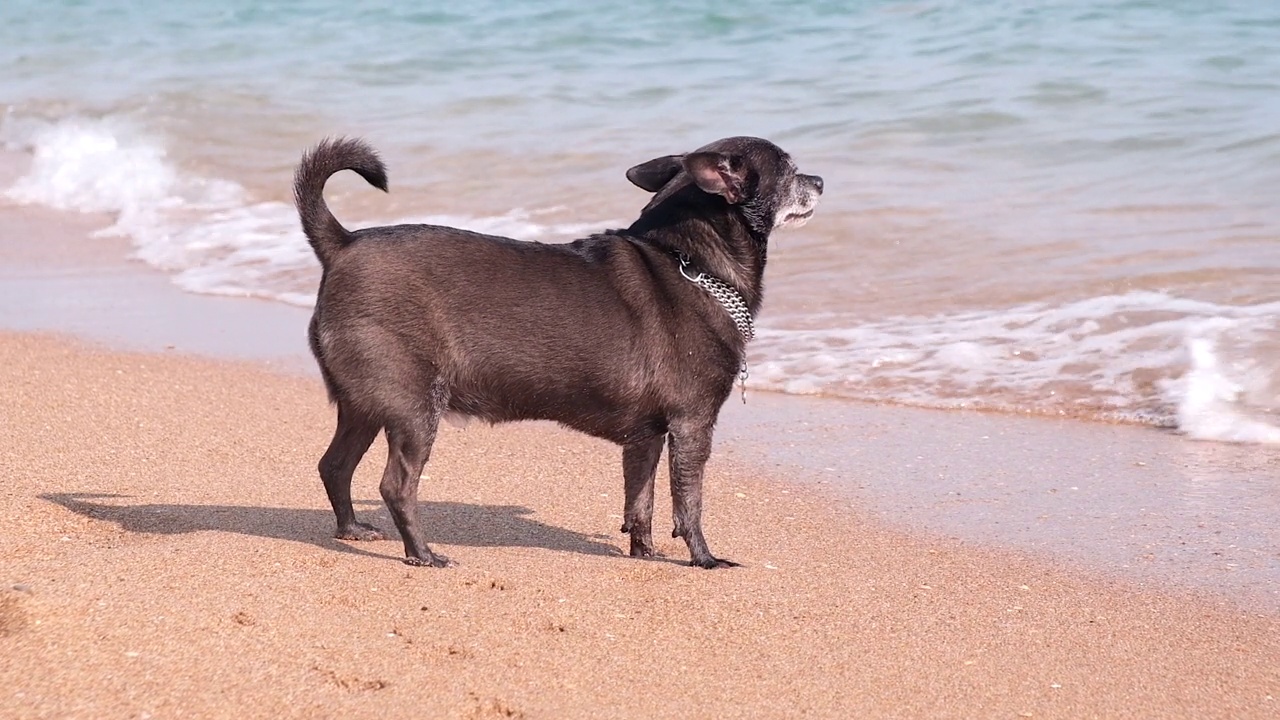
[(1149, 507)]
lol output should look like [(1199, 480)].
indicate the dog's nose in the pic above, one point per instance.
[(817, 183)]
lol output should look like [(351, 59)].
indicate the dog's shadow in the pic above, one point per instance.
[(448, 523)]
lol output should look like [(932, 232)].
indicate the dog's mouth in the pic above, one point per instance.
[(797, 219)]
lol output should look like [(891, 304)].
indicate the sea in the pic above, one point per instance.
[(1034, 207)]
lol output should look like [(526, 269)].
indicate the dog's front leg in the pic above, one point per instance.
[(689, 447), (639, 465)]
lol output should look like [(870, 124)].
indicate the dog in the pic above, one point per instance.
[(635, 336)]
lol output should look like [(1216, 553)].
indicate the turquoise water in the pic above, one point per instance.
[(1062, 208)]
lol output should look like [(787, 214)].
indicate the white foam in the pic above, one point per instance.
[(518, 223), (207, 231), (1231, 391), (84, 165), (1118, 356)]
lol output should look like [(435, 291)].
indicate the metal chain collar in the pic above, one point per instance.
[(731, 300), (725, 295)]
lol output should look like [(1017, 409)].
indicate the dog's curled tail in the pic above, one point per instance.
[(323, 231)]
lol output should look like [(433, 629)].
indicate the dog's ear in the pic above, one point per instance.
[(653, 175), (718, 174)]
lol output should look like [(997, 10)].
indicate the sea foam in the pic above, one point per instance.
[(208, 232), (1231, 390), (1210, 369), (88, 165)]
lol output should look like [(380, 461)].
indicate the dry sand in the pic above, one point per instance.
[(167, 553)]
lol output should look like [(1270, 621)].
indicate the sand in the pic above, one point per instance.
[(168, 553)]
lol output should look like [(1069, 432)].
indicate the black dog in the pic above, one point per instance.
[(630, 335)]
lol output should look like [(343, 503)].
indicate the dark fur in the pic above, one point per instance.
[(602, 335)]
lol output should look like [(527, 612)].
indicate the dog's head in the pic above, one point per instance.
[(752, 174)]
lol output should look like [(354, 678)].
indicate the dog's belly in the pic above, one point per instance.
[(585, 412), (457, 419)]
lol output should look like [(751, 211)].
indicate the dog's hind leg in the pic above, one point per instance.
[(351, 439), (689, 447), (409, 442), (639, 465)]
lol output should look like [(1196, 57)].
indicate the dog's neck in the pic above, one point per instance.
[(738, 262), (730, 299)]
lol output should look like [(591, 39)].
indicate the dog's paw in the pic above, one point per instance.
[(360, 531), (713, 563), (432, 560), (641, 547)]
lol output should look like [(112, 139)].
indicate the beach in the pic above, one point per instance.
[(1010, 443), (169, 553)]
